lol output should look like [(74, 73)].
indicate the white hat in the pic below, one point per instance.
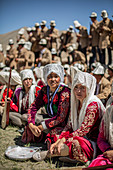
[(94, 65), (76, 24), (33, 29), (70, 29), (93, 15), (6, 69), (74, 46), (1, 48), (99, 70), (11, 41), (8, 47), (52, 23), (70, 49), (37, 24), (66, 66), (43, 22), (79, 66), (43, 42), (29, 29), (28, 45), (2, 65), (22, 41), (21, 31), (104, 14), (27, 73), (53, 51)]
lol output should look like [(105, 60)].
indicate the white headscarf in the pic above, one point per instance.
[(89, 82), (55, 68), (39, 73), (27, 73)]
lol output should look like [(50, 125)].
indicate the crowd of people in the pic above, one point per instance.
[(59, 94)]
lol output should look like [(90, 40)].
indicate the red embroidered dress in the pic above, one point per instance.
[(60, 106)]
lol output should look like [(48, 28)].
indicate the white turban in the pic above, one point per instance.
[(55, 68)]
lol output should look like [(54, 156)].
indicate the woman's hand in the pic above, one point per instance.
[(35, 130), (109, 155), (56, 147)]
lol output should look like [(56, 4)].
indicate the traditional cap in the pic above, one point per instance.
[(8, 47), (2, 65), (33, 29), (27, 73), (111, 66), (43, 22), (104, 14), (52, 23), (43, 42), (11, 41), (29, 29), (70, 49), (70, 29), (93, 15), (21, 31), (55, 68), (22, 41), (53, 51), (1, 48), (76, 24), (98, 70), (28, 45), (79, 66), (37, 24)]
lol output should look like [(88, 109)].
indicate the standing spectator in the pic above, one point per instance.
[(44, 29), (22, 56), (21, 35), (82, 38), (52, 36), (66, 39), (94, 38), (45, 54), (30, 55), (104, 29), (35, 41), (11, 55)]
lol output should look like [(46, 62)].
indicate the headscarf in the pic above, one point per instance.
[(39, 73), (27, 73), (89, 82), (55, 68)]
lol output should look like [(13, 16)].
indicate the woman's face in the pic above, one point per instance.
[(53, 81), (80, 92), (27, 82)]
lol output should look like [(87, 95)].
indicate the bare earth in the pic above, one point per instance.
[(10, 136)]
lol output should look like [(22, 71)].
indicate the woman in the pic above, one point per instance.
[(23, 98), (38, 74), (55, 97), (78, 139), (105, 138)]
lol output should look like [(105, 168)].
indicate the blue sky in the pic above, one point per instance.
[(15, 14)]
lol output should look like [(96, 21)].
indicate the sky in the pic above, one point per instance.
[(15, 14)]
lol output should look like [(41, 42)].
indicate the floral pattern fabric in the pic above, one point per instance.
[(60, 106)]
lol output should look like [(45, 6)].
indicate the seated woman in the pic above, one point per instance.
[(105, 138), (38, 74), (55, 97), (23, 97), (78, 139)]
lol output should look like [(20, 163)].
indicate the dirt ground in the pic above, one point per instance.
[(9, 137)]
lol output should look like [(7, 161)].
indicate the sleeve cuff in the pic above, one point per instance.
[(44, 125)]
